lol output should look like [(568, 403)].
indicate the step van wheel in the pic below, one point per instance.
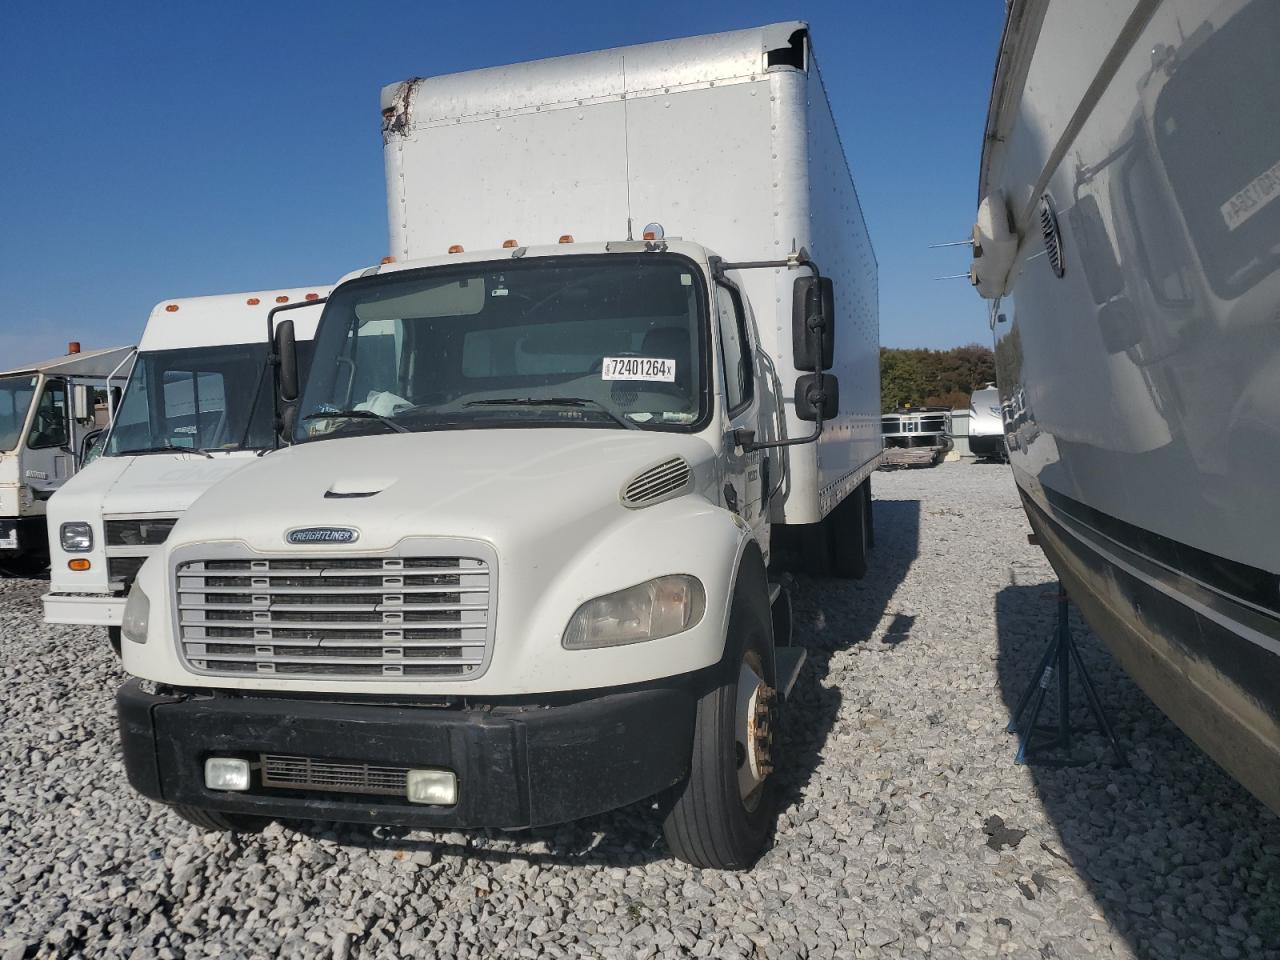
[(722, 813), (215, 821), (848, 529)]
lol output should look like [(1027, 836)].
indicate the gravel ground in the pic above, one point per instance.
[(907, 830)]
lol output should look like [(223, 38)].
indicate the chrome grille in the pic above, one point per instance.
[(349, 617), (303, 773)]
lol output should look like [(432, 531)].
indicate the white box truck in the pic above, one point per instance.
[(51, 413), (197, 407), (514, 569)]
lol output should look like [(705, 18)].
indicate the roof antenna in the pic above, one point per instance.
[(629, 237)]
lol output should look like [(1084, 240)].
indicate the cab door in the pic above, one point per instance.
[(46, 458), (743, 473)]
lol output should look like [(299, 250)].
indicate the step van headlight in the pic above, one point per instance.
[(648, 611), (137, 611), (76, 537)]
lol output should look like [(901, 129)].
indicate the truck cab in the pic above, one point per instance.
[(198, 406), (51, 414)]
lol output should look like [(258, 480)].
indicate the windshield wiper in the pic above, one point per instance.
[(166, 448), (357, 415), (555, 402)]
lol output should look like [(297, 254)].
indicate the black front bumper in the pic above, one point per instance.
[(517, 766)]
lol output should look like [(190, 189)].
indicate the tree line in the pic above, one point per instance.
[(919, 377)]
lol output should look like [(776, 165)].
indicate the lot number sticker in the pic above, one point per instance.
[(638, 368)]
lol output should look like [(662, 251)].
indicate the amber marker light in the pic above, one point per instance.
[(388, 259), (282, 299), (312, 296), (253, 301), (566, 238), (172, 308), (509, 244), (80, 564), (456, 248)]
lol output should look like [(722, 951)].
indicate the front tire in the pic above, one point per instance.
[(214, 821), (724, 810)]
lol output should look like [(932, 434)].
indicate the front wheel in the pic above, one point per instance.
[(725, 808)]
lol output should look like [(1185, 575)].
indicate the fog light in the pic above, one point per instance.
[(226, 773), (438, 787)]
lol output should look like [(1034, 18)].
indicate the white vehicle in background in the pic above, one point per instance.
[(986, 424), (198, 406), (51, 414), (514, 568)]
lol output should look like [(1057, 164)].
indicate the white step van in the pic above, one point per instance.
[(198, 406), (514, 568), (51, 415)]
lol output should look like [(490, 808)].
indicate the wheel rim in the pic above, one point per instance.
[(753, 731)]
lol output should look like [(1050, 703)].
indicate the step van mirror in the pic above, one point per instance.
[(813, 323), (81, 402), (817, 396)]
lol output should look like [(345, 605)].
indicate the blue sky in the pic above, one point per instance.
[(160, 150)]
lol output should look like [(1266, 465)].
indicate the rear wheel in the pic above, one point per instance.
[(723, 811), (848, 530), (870, 521), (214, 821)]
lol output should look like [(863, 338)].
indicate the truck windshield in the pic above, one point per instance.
[(198, 398), (613, 341), (15, 401)]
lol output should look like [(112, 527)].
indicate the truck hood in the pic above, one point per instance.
[(501, 486), (158, 483)]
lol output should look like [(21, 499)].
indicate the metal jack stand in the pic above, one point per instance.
[(1056, 662)]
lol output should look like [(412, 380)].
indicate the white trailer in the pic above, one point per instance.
[(198, 406), (51, 414), (514, 569)]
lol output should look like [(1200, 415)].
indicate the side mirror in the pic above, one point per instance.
[(817, 395), (813, 323), (287, 352), (81, 401)]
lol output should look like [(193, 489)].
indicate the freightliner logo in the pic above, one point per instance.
[(323, 535)]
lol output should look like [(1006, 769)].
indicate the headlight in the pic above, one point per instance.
[(76, 537), (137, 611), (648, 611)]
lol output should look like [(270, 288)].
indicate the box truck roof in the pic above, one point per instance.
[(574, 80), (227, 318)]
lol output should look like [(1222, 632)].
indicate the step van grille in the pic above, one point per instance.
[(365, 618)]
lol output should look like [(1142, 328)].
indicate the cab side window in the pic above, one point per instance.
[(50, 426), (735, 351)]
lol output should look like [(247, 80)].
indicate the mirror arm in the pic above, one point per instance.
[(798, 259), (751, 446)]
